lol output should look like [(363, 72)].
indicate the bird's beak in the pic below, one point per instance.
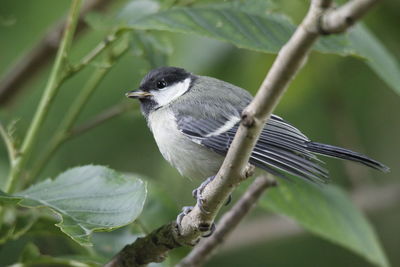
[(138, 94)]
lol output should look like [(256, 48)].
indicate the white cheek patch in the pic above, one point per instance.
[(170, 93)]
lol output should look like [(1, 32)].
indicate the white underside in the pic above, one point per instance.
[(192, 160)]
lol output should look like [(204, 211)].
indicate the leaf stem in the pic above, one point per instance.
[(102, 117), (102, 46), (49, 93), (12, 153)]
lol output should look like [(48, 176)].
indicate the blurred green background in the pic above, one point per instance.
[(335, 100)]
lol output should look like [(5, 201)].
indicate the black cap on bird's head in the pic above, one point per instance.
[(158, 79), (161, 86)]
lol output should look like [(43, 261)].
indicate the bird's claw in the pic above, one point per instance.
[(185, 211), (197, 194), (205, 227)]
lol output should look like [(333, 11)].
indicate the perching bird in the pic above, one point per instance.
[(194, 120)]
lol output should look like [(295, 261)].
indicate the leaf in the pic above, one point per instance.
[(8, 199), (327, 212), (138, 9), (237, 24), (131, 11), (30, 252), (266, 34), (376, 55), (89, 198), (254, 26), (153, 48)]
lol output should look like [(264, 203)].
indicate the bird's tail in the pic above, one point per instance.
[(342, 153)]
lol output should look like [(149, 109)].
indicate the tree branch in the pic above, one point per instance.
[(289, 61), (63, 132), (228, 222), (340, 19), (102, 117), (12, 153), (47, 98), (28, 65)]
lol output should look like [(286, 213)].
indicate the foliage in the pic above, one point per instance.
[(96, 198), (327, 212)]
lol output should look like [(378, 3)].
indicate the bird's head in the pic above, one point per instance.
[(161, 86)]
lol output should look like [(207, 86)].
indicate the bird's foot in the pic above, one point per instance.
[(197, 194), (205, 227), (185, 211)]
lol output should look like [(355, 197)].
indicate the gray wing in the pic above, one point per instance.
[(281, 147), (212, 119)]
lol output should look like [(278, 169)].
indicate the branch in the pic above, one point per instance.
[(102, 117), (28, 65), (12, 153), (228, 222), (340, 19), (63, 132), (47, 97), (289, 61)]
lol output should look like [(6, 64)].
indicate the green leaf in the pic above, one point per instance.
[(8, 199), (376, 55), (30, 252), (245, 30), (238, 24), (154, 48), (131, 11), (327, 212), (254, 26), (87, 199), (138, 9)]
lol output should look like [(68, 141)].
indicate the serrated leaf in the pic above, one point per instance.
[(376, 55), (87, 199), (327, 212), (255, 29), (241, 26)]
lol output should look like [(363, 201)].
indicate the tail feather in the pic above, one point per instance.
[(342, 153)]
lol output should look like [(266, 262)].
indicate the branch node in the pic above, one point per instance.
[(248, 171), (248, 118)]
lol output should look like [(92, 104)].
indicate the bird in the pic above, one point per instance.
[(194, 119)]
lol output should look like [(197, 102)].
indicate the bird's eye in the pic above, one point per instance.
[(161, 84)]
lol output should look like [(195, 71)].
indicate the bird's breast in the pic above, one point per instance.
[(192, 160)]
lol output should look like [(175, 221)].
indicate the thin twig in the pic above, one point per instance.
[(102, 117), (96, 51), (204, 250), (63, 131), (12, 153), (29, 64), (233, 170), (339, 20), (47, 97)]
